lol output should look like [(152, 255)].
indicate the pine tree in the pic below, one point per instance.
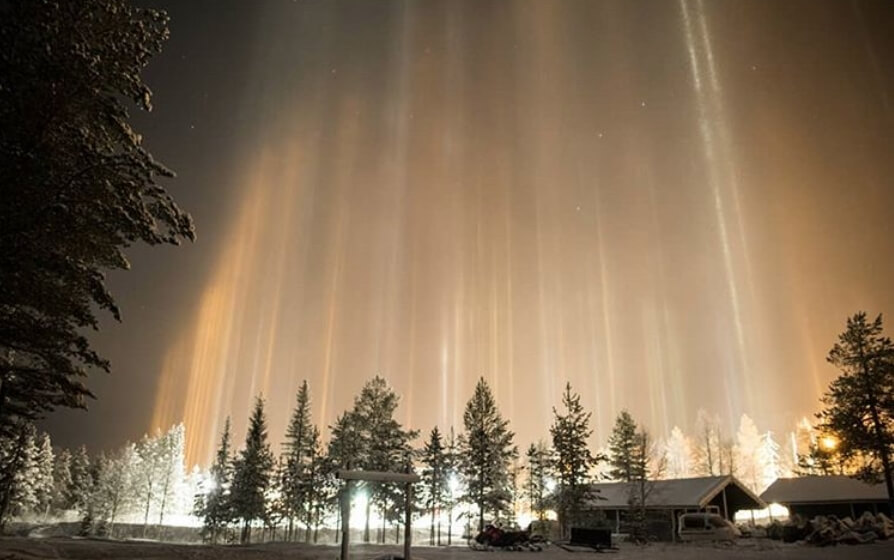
[(385, 446), (435, 481), (320, 486), (215, 509), (859, 404), (297, 450), (252, 473), (645, 469), (623, 445), (540, 464), (486, 452), (678, 450), (76, 188), (573, 460), (452, 465)]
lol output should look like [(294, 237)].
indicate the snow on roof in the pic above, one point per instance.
[(821, 489), (667, 494)]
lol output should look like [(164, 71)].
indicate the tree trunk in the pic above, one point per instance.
[(450, 525)]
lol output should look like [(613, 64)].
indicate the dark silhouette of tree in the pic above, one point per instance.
[(385, 446), (252, 473), (573, 460), (540, 463), (486, 453), (859, 404), (76, 188), (622, 449), (298, 455), (435, 481), (215, 509)]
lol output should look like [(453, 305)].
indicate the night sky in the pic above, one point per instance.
[(670, 204)]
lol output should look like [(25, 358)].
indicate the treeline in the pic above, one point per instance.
[(470, 476), (141, 482), (477, 470)]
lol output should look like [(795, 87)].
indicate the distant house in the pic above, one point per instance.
[(841, 496), (668, 499)]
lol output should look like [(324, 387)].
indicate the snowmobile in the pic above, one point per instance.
[(496, 537)]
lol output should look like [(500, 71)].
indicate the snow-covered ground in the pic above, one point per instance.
[(20, 548)]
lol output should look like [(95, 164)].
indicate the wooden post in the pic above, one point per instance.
[(348, 476), (725, 508), (346, 518), (408, 522), (673, 527)]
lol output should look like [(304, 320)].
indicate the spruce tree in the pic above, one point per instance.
[(640, 486), (319, 487), (540, 465), (44, 481), (62, 481), (297, 450), (252, 473), (385, 446), (435, 481), (77, 187), (622, 444), (573, 460), (24, 473), (859, 404), (452, 466), (215, 509), (81, 480), (486, 452)]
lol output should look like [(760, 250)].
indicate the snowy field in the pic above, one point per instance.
[(20, 548)]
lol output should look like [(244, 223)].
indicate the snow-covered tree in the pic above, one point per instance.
[(81, 480), (678, 451), (486, 452), (769, 460), (748, 454), (62, 481), (252, 472), (171, 460), (77, 187), (147, 474), (44, 481), (20, 461), (706, 445), (573, 460)]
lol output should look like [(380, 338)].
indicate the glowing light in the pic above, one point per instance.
[(829, 443)]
